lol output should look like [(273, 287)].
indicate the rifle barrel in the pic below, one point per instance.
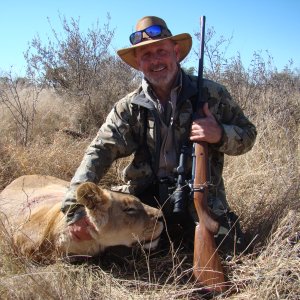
[(207, 266)]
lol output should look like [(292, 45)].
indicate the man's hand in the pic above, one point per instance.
[(79, 229), (206, 129)]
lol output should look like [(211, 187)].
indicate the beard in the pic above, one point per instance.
[(161, 76)]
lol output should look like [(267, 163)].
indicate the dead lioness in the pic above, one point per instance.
[(30, 211)]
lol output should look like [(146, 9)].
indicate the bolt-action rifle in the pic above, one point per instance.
[(207, 267)]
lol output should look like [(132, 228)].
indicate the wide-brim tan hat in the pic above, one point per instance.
[(184, 40)]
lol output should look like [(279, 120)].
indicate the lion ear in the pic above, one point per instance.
[(92, 197)]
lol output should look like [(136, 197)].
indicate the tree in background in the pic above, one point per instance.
[(81, 68), (19, 98)]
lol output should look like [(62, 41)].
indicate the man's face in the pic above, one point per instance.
[(159, 62)]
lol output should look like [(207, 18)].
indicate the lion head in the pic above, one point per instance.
[(118, 218)]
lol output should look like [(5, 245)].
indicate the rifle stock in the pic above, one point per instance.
[(207, 268)]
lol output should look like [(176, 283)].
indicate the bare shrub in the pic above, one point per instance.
[(215, 54), (113, 82), (20, 101), (79, 67), (71, 59), (248, 85)]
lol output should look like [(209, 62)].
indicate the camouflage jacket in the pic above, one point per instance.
[(132, 127)]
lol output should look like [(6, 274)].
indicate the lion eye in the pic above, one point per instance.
[(129, 210)]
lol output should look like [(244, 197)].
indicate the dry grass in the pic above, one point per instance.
[(275, 272), (262, 187), (57, 156), (265, 182), (271, 273)]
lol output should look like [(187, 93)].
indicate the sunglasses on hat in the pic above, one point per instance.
[(152, 31)]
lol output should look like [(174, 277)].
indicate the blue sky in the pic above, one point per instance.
[(256, 25)]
